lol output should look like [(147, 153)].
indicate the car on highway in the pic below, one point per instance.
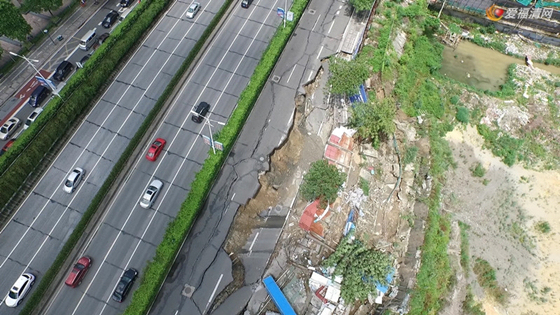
[(82, 62), (125, 3), (9, 127), (200, 112), (32, 117), (110, 19), (19, 289), (38, 96), (78, 272), (192, 10), (74, 180), (63, 70), (155, 149), (245, 3), (124, 285), (151, 194), (7, 146)]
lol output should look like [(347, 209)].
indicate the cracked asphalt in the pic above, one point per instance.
[(203, 269)]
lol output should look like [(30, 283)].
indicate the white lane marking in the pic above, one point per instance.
[(320, 51), (292, 72), (213, 292), (253, 242), (310, 74), (233, 196), (316, 21), (330, 28)]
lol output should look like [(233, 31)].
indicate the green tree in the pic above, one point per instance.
[(41, 5), (12, 23), (374, 121), (362, 268), (346, 76), (322, 181), (361, 5)]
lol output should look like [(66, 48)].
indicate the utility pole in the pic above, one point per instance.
[(29, 61)]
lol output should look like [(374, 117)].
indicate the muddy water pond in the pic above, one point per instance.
[(481, 67)]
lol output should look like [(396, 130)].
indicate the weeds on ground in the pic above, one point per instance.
[(409, 218), (410, 155), (543, 227), (486, 276), (540, 296), (364, 185), (478, 170), (470, 306), (464, 246)]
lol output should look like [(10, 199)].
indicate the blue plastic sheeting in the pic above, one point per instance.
[(384, 288), (361, 97), (278, 297)]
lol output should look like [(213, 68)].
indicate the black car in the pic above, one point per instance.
[(63, 70), (110, 19), (245, 3), (125, 3), (200, 112), (125, 284)]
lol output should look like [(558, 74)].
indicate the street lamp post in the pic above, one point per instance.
[(29, 61), (46, 31), (207, 121)]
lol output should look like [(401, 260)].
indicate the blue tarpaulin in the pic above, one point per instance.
[(384, 288), (278, 297), (361, 97)]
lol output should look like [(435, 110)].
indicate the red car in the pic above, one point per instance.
[(78, 272), (155, 149)]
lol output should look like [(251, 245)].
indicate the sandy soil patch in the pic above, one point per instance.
[(502, 209)]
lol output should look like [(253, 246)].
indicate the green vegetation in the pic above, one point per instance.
[(323, 181), (364, 185), (502, 145), (361, 267), (374, 121), (410, 155), (361, 5), (346, 76), (486, 276), (464, 246), (12, 23), (462, 114), (478, 170), (470, 306), (41, 5), (543, 227)]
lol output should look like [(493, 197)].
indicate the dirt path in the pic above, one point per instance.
[(502, 209)]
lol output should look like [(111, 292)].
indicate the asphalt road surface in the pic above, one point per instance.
[(38, 230), (128, 235), (68, 51), (203, 269)]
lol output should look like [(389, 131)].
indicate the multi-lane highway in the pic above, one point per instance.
[(38, 230), (129, 234), (68, 51)]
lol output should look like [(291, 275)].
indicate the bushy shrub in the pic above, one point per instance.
[(463, 114)]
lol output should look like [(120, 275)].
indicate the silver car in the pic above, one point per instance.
[(9, 128), (151, 194), (74, 180), (19, 289), (193, 10)]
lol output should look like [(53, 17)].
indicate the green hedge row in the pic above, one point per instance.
[(76, 97), (156, 271), (106, 58)]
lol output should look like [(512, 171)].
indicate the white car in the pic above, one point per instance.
[(19, 289), (193, 10), (74, 180), (9, 128), (151, 194), (32, 117)]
